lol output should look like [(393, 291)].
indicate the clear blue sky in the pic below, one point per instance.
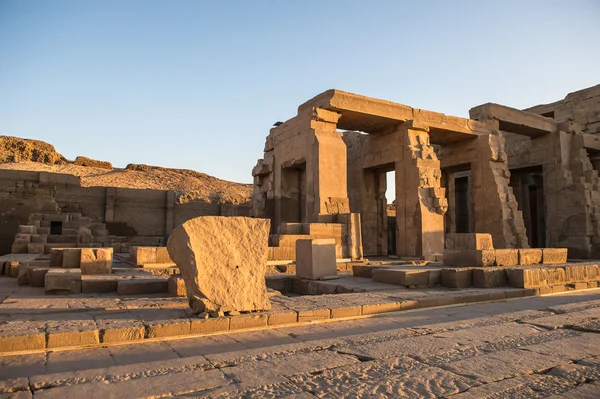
[(198, 84)]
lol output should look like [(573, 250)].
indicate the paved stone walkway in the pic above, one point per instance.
[(526, 348)]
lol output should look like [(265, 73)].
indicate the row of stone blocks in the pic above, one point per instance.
[(27, 335), (504, 257), (522, 277), (57, 280)]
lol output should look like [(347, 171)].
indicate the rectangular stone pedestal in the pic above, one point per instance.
[(315, 258)]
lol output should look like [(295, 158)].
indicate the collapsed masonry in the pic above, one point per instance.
[(528, 180)]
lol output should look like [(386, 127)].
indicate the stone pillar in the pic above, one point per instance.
[(495, 207), (420, 200)]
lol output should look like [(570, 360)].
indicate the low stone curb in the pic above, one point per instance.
[(19, 337)]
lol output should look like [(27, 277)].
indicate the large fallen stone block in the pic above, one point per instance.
[(315, 258), (223, 261), (469, 241), (25, 229)]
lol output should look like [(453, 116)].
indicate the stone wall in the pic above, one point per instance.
[(141, 213)]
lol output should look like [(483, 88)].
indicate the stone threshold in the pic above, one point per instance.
[(120, 332)]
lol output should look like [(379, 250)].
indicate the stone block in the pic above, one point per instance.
[(142, 286), (279, 317), (37, 276), (162, 255), (96, 261), (35, 248), (383, 307), (554, 256), (43, 231), (556, 276), (22, 336), (94, 284), (469, 258), (592, 273), (56, 257), (23, 238), (71, 258), (140, 256), (362, 271), (23, 276), (457, 278), (313, 314), (338, 311), (315, 258), (19, 248), (176, 286), (62, 281), (531, 256), (39, 239), (401, 277), (489, 277), (11, 269), (207, 326), (575, 273), (469, 241), (507, 257), (223, 261), (248, 320), (167, 328), (26, 229)]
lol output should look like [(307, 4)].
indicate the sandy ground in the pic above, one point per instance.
[(190, 186)]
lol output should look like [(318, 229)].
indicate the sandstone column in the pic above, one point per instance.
[(420, 199), (495, 207)]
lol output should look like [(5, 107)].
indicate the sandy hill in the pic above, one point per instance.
[(24, 154)]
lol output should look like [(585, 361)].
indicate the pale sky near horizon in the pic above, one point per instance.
[(198, 84)]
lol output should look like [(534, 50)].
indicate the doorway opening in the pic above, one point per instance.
[(293, 194), (528, 187)]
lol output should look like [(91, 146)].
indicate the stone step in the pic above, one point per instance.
[(406, 278)]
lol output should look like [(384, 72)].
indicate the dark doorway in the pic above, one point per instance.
[(528, 187), (56, 228), (293, 195), (461, 209)]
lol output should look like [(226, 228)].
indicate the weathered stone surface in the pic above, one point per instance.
[(457, 278), (507, 257), (96, 260), (223, 261), (63, 281), (469, 258), (37, 276), (489, 277), (553, 256), (315, 258), (401, 277), (530, 256), (177, 286), (469, 241)]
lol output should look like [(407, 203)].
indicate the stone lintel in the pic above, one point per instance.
[(591, 141), (513, 120)]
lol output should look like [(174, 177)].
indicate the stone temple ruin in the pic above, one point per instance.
[(486, 208), (529, 178)]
